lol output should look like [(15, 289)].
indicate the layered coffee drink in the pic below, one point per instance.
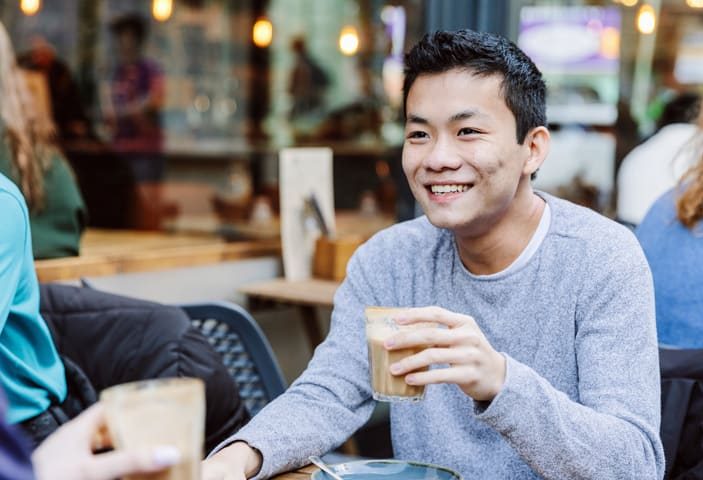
[(143, 415), (380, 325)]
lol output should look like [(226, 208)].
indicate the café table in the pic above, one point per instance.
[(305, 295), (110, 252), (300, 474)]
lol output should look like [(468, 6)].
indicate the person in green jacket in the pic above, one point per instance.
[(29, 157)]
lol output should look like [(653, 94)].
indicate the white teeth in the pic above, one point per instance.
[(442, 189)]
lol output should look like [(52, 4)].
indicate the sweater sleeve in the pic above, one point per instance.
[(330, 400), (612, 431)]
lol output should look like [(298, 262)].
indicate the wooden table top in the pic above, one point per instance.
[(313, 292), (300, 474), (108, 252)]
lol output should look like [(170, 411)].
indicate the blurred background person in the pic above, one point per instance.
[(29, 157), (67, 109), (671, 235), (656, 165), (133, 114), (308, 82)]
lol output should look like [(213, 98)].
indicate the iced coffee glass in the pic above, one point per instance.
[(168, 411), (380, 324)]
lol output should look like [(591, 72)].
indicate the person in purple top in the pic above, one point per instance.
[(134, 117), (137, 91)]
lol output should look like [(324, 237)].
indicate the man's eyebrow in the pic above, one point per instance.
[(463, 115), (416, 119)]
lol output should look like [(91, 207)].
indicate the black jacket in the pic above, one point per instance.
[(682, 413), (115, 339)]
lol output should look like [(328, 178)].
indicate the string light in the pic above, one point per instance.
[(162, 9), (646, 19), (349, 40), (262, 33), (30, 7)]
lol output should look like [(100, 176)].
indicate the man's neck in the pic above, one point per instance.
[(495, 250)]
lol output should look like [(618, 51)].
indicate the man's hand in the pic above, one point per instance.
[(235, 462), (473, 364), (67, 454)]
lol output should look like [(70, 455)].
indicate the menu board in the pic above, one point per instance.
[(304, 172)]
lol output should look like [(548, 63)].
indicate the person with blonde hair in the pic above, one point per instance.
[(29, 157), (671, 235)]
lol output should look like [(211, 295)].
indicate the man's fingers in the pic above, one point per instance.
[(118, 463), (424, 337), (432, 314), (428, 357), (457, 375)]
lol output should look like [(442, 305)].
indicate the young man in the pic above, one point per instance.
[(550, 353)]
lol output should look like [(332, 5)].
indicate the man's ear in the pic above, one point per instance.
[(537, 143)]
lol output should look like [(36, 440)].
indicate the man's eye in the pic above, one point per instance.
[(467, 131), (416, 135)]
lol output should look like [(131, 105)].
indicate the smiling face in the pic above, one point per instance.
[(461, 156)]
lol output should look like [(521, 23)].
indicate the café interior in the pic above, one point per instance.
[(267, 144)]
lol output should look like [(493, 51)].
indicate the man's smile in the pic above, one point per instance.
[(441, 189)]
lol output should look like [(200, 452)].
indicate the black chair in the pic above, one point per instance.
[(245, 351), (682, 412)]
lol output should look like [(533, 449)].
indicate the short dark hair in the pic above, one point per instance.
[(483, 54), (133, 23), (683, 108)]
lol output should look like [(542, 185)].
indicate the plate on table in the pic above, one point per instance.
[(388, 470)]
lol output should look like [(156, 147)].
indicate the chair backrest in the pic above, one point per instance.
[(245, 351), (682, 412)]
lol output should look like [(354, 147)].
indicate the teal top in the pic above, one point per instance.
[(57, 227), (31, 372)]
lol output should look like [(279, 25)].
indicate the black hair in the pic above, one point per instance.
[(483, 54), (131, 22), (683, 108)]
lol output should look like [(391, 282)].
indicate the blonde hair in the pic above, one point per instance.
[(689, 205), (29, 135)]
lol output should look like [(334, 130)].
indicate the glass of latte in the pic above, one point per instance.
[(381, 324), (149, 413)]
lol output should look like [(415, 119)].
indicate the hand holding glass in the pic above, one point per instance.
[(143, 415), (380, 325)]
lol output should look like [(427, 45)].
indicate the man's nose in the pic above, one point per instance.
[(442, 156)]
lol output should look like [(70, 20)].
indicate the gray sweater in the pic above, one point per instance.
[(576, 324)]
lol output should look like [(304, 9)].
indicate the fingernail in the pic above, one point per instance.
[(395, 368), (389, 343), (410, 379), (166, 456), (401, 320)]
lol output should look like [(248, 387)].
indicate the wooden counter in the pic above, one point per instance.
[(108, 252), (300, 474)]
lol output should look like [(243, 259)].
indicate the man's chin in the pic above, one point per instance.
[(442, 221)]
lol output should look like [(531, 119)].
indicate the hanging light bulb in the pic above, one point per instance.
[(348, 41), (646, 19), (30, 7), (695, 3), (162, 9), (262, 33), (629, 3)]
